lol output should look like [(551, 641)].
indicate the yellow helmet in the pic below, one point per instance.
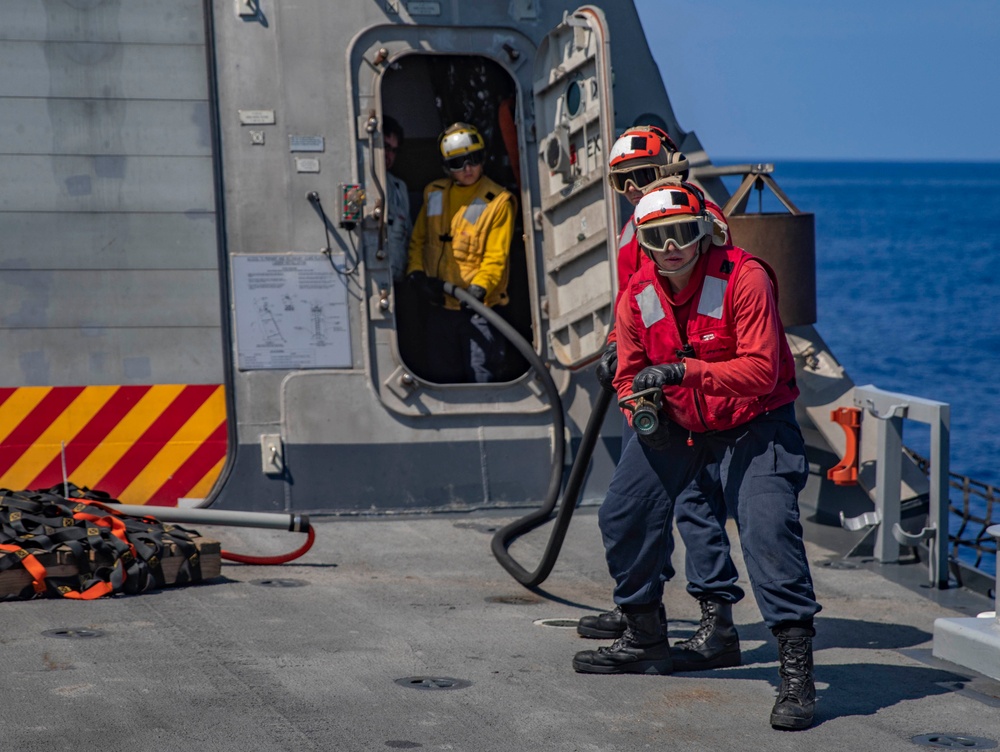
[(460, 139)]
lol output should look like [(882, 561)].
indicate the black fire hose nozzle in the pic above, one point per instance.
[(645, 407)]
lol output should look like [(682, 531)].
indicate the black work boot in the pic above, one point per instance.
[(715, 644), (642, 649), (797, 695), (607, 626)]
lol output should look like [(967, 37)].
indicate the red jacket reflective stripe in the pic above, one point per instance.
[(742, 365)]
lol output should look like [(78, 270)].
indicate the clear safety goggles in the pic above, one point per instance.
[(458, 163), (682, 233), (640, 177)]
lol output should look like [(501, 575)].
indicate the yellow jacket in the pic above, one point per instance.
[(462, 236)]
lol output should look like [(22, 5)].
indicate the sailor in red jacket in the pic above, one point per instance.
[(700, 326), (640, 157)]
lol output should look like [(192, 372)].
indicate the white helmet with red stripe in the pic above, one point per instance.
[(642, 155), (672, 213)]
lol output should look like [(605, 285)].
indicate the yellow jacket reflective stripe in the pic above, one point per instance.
[(462, 235)]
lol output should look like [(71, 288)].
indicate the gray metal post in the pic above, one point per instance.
[(994, 530), (888, 477), (940, 475), (296, 523), (890, 409)]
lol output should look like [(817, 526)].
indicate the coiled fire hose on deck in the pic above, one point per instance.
[(504, 537)]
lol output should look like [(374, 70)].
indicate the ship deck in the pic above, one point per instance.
[(404, 633)]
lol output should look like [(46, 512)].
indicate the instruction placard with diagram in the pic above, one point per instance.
[(291, 312)]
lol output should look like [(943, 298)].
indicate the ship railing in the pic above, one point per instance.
[(971, 541), (957, 530)]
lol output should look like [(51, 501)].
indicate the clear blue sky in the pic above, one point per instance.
[(851, 79)]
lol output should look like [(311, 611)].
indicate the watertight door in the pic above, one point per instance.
[(578, 212)]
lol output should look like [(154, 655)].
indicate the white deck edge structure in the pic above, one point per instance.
[(973, 643)]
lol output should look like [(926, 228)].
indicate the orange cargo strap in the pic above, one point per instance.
[(115, 523), (845, 472), (39, 574), (33, 566)]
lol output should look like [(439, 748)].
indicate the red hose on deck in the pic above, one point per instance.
[(267, 560)]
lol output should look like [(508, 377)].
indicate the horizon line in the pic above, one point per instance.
[(866, 160)]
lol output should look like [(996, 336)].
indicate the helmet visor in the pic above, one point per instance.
[(639, 177), (473, 158), (681, 234)]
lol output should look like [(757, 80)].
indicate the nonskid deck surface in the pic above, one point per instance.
[(405, 633)]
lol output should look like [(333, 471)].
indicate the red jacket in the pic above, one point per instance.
[(631, 257), (741, 365)]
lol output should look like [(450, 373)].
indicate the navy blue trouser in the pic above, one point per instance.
[(462, 347), (644, 483), (637, 492), (754, 473)]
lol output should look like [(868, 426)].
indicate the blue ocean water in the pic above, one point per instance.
[(908, 287)]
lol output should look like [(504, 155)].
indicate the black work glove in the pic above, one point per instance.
[(607, 366), (650, 377), (659, 440), (431, 288), (479, 293)]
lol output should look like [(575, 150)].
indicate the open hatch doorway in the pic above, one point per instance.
[(425, 93)]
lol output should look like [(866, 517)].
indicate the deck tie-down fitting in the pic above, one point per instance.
[(845, 472)]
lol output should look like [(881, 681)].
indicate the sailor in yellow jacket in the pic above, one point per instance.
[(462, 236)]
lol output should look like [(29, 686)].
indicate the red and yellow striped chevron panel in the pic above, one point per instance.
[(140, 444)]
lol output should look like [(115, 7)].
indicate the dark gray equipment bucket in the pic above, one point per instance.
[(786, 241)]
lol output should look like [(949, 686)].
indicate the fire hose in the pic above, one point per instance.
[(504, 537)]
